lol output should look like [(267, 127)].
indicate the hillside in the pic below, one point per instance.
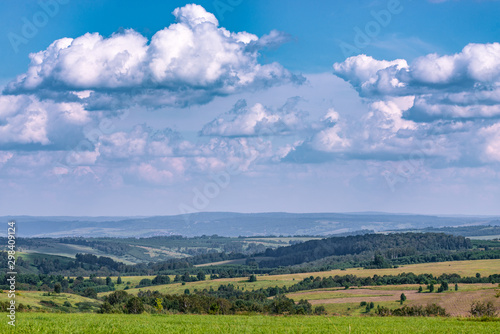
[(234, 224), (392, 245)]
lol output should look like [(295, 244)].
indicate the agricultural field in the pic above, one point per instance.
[(28, 323), (347, 302), (463, 268)]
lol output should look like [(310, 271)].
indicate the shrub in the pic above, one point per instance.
[(412, 311), (482, 309), (145, 282), (319, 310)]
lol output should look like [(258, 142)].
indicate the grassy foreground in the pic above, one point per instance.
[(110, 323)]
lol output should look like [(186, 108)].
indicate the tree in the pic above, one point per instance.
[(90, 293), (161, 279), (303, 307), (478, 275), (380, 262), (145, 282), (117, 297), (105, 308), (420, 289), (109, 281), (252, 278), (402, 298), (200, 276), (135, 306), (158, 306), (119, 280), (57, 288), (456, 287), (431, 287)]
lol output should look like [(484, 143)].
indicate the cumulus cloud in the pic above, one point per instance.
[(141, 142), (491, 134), (382, 134), (441, 106), (331, 138), (369, 75), (242, 121), (462, 85), (189, 62), (25, 119)]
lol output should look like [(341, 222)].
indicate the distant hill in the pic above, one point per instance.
[(397, 245), (234, 224), (466, 231)]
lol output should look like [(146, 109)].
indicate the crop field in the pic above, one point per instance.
[(347, 302), (463, 268), (110, 323)]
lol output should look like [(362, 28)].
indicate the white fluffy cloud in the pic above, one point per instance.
[(141, 142), (190, 61), (462, 85), (443, 107), (25, 119), (491, 134), (331, 139), (365, 73), (257, 120)]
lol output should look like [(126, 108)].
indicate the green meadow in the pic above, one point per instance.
[(31, 323)]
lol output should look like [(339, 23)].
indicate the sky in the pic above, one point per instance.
[(168, 107)]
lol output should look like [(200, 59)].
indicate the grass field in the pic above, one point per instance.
[(42, 300), (105, 323), (463, 268)]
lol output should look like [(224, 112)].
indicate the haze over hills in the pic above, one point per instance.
[(235, 224)]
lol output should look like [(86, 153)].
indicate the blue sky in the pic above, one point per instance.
[(168, 107)]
